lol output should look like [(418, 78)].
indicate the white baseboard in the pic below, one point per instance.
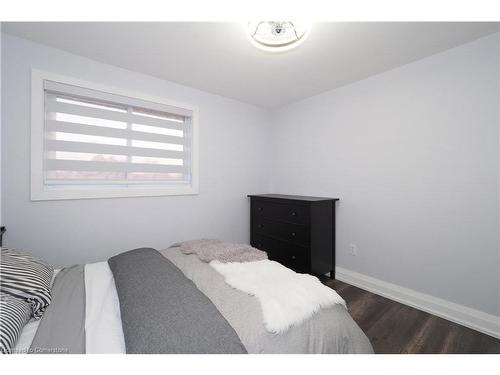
[(466, 316)]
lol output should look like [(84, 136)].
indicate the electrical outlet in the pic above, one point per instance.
[(353, 249)]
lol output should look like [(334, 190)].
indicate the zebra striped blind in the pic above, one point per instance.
[(97, 138)]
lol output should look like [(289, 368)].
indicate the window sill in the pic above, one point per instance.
[(102, 193)]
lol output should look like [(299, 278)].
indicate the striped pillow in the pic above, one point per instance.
[(27, 278), (14, 314)]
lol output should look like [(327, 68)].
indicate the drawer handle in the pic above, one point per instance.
[(293, 257), (259, 208), (293, 234), (261, 225), (294, 213)]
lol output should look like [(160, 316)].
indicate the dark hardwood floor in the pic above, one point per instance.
[(396, 328)]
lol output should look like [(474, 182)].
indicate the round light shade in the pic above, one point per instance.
[(277, 35)]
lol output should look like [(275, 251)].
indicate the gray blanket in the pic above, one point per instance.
[(163, 312), (62, 328), (331, 330)]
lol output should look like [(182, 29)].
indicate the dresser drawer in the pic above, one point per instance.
[(291, 256), (290, 213), (298, 234)]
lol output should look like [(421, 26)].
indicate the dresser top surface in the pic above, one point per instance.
[(293, 197)]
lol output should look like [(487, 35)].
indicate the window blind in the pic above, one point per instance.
[(97, 138)]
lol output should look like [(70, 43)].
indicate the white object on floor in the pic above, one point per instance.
[(103, 324), (287, 298)]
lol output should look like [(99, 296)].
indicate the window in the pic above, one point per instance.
[(95, 142)]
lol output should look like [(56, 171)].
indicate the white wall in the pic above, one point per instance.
[(413, 154), (233, 136)]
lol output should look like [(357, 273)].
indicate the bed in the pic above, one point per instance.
[(120, 307)]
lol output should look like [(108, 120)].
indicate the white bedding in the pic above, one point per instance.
[(103, 323), (26, 337)]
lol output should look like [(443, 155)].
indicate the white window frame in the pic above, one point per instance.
[(38, 189)]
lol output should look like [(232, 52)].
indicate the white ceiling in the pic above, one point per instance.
[(218, 58)]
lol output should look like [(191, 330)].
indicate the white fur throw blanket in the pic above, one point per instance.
[(287, 298), (208, 250)]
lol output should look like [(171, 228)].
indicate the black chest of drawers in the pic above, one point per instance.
[(297, 231)]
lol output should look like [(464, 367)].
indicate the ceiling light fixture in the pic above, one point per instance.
[(277, 35)]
